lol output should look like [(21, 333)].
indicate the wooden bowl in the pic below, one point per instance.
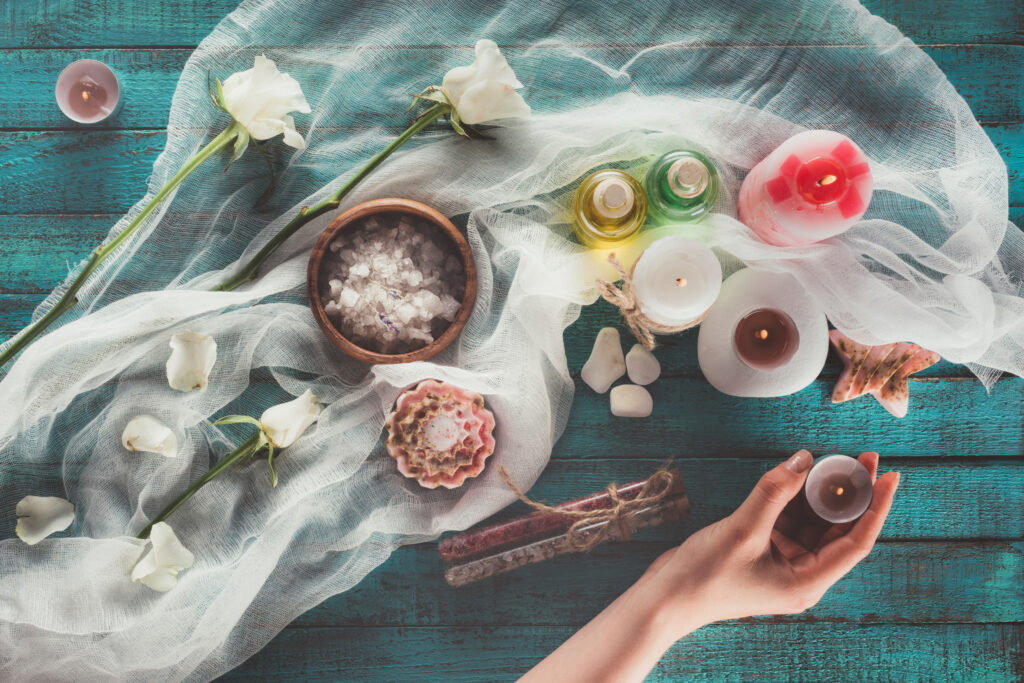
[(358, 213)]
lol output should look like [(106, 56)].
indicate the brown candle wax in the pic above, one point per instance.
[(87, 98), (766, 339)]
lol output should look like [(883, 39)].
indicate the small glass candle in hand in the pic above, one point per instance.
[(815, 185), (676, 280), (838, 489), (87, 91)]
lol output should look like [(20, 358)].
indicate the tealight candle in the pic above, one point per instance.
[(815, 185), (838, 489), (87, 91), (609, 208), (676, 280), (763, 337), (766, 338)]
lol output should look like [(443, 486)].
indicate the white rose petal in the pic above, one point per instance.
[(164, 558), (40, 516), (262, 97), (148, 434), (285, 423), (485, 90), (192, 357)]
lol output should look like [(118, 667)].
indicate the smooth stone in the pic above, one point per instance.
[(630, 400), (642, 366), (606, 363)]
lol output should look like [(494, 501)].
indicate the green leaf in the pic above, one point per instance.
[(270, 465), (241, 143), (453, 119), (237, 419)]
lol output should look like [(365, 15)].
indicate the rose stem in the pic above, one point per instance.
[(537, 524), (101, 253), (667, 510), (248, 447), (248, 271)]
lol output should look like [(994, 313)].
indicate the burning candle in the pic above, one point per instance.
[(763, 337), (676, 280), (609, 208), (766, 338), (87, 91), (815, 185), (838, 489)]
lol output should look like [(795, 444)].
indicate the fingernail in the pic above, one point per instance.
[(799, 461)]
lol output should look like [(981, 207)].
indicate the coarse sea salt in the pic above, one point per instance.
[(392, 283)]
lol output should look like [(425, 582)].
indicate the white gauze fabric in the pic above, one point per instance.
[(934, 262)]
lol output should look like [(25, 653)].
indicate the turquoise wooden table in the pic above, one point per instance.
[(940, 598)]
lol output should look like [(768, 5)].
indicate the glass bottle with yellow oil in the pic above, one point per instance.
[(609, 208)]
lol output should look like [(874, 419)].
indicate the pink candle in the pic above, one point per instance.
[(87, 91), (815, 185)]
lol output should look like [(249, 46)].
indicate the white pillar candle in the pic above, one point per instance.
[(87, 91), (676, 280), (747, 295), (838, 489), (815, 185)]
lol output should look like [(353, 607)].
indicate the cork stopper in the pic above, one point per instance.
[(688, 178), (613, 198)]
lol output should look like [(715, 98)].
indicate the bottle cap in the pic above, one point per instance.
[(688, 177), (613, 198)]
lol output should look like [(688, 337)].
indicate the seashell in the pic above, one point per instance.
[(440, 434), (881, 371)]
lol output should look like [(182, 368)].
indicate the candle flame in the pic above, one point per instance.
[(681, 282), (827, 180), (761, 334), (85, 94)]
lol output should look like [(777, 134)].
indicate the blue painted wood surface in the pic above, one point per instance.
[(941, 597)]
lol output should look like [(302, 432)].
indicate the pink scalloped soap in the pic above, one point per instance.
[(440, 434)]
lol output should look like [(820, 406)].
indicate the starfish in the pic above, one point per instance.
[(881, 371)]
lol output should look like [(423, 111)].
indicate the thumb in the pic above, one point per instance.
[(774, 490)]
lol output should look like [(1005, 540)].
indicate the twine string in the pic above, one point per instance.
[(642, 327), (616, 517)]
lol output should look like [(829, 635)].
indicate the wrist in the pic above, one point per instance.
[(670, 612)]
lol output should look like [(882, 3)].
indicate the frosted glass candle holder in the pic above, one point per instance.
[(838, 489), (87, 91)]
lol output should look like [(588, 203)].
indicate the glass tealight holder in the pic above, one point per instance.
[(609, 208), (682, 186), (838, 489), (87, 91)]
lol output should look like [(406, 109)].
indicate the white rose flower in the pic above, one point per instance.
[(261, 98), (40, 516), (284, 423), (486, 89), (148, 434), (164, 558), (192, 357)]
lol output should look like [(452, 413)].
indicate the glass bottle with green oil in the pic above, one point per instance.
[(682, 186), (609, 208)]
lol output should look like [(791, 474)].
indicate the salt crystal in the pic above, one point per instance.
[(360, 270), (642, 366), (606, 363), (630, 400), (348, 298)]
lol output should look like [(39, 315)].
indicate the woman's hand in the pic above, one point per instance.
[(769, 556), (765, 558)]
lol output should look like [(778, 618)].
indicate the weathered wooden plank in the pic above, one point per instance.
[(960, 500), (898, 583), (37, 251), (753, 652), (983, 74), (60, 23), (105, 171)]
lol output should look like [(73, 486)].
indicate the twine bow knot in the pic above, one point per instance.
[(616, 517)]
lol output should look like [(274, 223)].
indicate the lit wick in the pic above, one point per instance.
[(761, 334), (839, 491), (85, 94), (827, 180), (680, 282)]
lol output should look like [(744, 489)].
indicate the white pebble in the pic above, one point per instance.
[(642, 366), (630, 400), (606, 363)]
